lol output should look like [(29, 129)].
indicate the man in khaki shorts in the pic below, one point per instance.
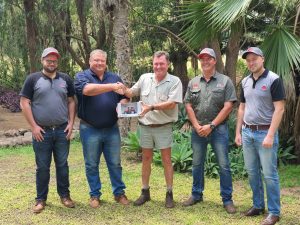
[(159, 92)]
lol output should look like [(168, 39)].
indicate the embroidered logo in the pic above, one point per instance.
[(220, 85), (264, 87)]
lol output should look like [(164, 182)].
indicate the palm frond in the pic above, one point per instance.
[(282, 52)]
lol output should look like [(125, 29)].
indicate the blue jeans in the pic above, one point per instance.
[(55, 142), (219, 140), (96, 141), (258, 161)]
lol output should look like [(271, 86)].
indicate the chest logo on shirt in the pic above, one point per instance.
[(220, 85), (195, 86), (264, 87)]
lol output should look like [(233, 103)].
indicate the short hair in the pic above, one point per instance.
[(161, 53), (98, 51)]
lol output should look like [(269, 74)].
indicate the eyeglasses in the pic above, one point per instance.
[(51, 61)]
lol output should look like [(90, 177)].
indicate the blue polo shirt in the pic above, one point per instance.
[(99, 110)]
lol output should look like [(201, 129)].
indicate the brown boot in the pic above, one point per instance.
[(67, 202), (39, 206), (122, 199), (94, 202), (169, 200), (145, 196)]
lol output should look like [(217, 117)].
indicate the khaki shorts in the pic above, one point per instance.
[(156, 137)]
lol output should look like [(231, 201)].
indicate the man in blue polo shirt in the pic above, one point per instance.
[(259, 115), (97, 92)]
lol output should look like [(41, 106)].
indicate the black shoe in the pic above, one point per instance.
[(145, 196), (254, 212), (191, 201), (169, 200)]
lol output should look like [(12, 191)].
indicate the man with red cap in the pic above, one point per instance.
[(47, 102), (209, 100)]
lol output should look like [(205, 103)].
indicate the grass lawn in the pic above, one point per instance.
[(17, 192)]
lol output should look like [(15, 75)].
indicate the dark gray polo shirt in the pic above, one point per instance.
[(49, 98), (259, 95), (208, 98)]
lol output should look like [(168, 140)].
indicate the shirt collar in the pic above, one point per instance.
[(95, 75), (263, 75)]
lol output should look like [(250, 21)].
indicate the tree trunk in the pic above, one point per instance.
[(32, 34), (232, 53), (179, 59), (215, 45), (122, 49)]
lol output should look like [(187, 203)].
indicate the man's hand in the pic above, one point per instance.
[(238, 139), (268, 141), (37, 133), (119, 88), (69, 130), (205, 130), (145, 108)]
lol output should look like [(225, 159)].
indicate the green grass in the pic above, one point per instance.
[(17, 185)]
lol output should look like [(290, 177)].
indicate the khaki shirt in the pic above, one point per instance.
[(208, 98), (151, 92)]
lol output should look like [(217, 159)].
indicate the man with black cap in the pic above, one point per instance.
[(47, 102), (259, 115), (209, 100)]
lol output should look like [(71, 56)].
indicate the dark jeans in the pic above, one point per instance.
[(54, 142)]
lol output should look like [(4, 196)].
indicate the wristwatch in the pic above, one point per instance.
[(212, 126), (152, 107)]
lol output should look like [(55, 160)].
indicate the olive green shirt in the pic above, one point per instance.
[(151, 92), (208, 98)]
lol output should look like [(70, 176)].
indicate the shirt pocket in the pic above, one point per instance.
[(145, 95), (218, 95), (195, 96)]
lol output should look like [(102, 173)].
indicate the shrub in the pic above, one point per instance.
[(131, 143), (10, 99)]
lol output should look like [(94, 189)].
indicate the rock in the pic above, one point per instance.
[(11, 133), (22, 131)]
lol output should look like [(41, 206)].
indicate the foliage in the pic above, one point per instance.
[(237, 167), (182, 117), (284, 153), (181, 152), (131, 142), (10, 99)]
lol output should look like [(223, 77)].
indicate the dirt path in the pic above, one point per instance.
[(9, 120)]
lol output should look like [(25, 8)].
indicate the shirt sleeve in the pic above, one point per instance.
[(242, 96), (28, 88), (175, 93), (230, 95), (136, 88), (70, 86), (80, 81), (187, 97), (277, 90)]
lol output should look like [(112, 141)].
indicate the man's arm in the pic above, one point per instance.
[(157, 106), (276, 119), (239, 123), (192, 117), (96, 89), (71, 111), (35, 128), (222, 115)]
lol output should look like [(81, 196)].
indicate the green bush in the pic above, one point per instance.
[(131, 143), (181, 152)]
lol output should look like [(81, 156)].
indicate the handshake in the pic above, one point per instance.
[(120, 88)]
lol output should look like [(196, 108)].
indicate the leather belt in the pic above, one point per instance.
[(155, 125), (256, 127), (53, 127)]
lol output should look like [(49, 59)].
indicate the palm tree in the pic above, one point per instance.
[(205, 21)]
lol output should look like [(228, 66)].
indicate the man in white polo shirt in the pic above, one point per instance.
[(259, 115), (160, 92)]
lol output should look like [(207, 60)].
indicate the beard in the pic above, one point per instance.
[(50, 69)]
